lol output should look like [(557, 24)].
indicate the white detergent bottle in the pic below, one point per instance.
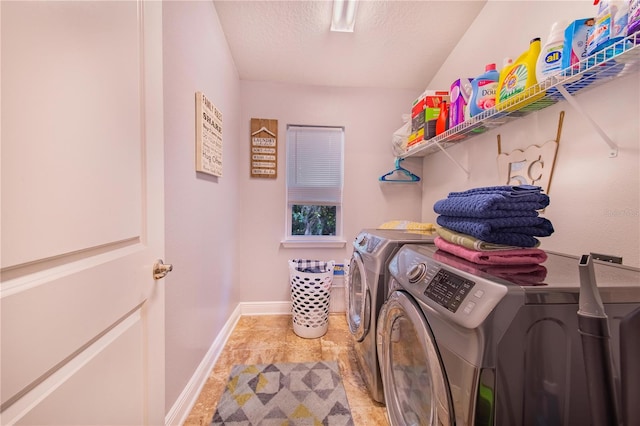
[(610, 27), (550, 58)]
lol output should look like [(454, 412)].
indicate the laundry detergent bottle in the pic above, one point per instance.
[(483, 90), (460, 93), (550, 58), (633, 25), (518, 84), (610, 27)]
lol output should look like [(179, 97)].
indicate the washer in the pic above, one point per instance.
[(366, 291), (460, 346)]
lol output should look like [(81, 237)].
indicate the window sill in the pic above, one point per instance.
[(338, 243)]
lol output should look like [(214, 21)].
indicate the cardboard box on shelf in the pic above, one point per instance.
[(430, 129), (415, 137), (432, 104), (425, 109), (575, 42), (417, 121)]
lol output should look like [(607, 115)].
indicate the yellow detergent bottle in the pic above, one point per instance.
[(517, 86)]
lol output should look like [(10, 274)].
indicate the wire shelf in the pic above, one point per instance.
[(617, 60)]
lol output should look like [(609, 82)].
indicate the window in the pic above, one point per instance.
[(314, 183)]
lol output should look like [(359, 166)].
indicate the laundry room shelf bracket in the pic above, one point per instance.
[(453, 159), (613, 151)]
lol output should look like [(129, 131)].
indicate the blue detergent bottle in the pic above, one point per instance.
[(483, 92), (610, 27)]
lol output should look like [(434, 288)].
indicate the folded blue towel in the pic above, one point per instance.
[(506, 190), (513, 231), (491, 205), (494, 202)]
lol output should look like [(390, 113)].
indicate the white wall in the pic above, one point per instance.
[(369, 116), (200, 210), (504, 29), (223, 234), (595, 199)]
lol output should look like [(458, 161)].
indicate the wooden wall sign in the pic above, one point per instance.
[(264, 148), (208, 136)]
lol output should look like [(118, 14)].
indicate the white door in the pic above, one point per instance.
[(82, 213)]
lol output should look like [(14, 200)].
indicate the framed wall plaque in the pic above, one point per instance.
[(264, 148), (208, 136)]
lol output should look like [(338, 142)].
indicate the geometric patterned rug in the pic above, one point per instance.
[(291, 394)]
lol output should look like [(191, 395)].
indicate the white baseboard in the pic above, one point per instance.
[(188, 397), (265, 308)]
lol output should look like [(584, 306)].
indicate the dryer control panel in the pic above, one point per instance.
[(462, 297), (448, 289)]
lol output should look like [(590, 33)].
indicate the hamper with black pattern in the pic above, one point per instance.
[(310, 291)]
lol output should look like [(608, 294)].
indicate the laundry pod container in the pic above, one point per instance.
[(310, 292)]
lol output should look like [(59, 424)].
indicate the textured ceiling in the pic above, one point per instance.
[(396, 44)]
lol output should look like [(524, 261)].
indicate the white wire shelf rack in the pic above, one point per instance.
[(615, 61)]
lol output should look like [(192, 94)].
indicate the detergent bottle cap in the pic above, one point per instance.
[(556, 27), (490, 67), (557, 32)]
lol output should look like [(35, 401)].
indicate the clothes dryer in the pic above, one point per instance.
[(366, 291), (461, 344)]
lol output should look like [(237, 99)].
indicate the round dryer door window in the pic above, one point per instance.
[(358, 304), (414, 381)]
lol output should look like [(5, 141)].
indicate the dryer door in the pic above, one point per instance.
[(415, 384), (359, 303)]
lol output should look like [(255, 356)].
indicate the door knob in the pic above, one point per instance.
[(160, 270)]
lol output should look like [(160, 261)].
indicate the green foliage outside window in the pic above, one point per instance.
[(313, 220)]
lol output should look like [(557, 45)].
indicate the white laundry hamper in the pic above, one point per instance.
[(310, 294)]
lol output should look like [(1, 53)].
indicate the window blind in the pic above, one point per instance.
[(314, 165)]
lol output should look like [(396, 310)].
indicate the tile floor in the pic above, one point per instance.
[(271, 339)]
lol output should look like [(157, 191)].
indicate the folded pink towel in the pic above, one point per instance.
[(523, 275), (522, 256)]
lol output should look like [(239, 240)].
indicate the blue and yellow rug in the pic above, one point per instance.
[(288, 394)]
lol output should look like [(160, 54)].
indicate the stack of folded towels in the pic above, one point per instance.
[(495, 225)]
